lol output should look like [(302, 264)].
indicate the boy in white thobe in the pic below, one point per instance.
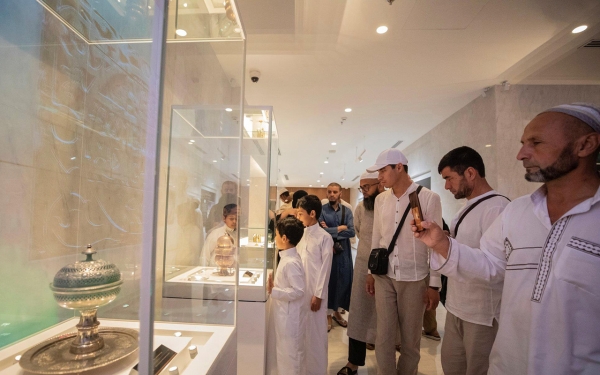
[(316, 251), (229, 227), (546, 249), (288, 309)]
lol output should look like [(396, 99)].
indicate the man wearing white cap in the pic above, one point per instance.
[(403, 294), (285, 200), (362, 321), (545, 247)]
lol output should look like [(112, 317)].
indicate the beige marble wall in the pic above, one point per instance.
[(473, 125), (497, 120)]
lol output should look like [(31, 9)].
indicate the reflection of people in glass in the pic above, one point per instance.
[(228, 196), (230, 215), (285, 200)]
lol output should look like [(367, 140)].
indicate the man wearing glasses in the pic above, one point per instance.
[(362, 321)]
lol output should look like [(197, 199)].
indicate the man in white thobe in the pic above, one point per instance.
[(472, 308), (546, 248), (316, 250)]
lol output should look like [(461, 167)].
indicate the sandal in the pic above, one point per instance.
[(341, 322), (347, 371)]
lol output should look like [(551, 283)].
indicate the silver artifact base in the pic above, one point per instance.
[(53, 356)]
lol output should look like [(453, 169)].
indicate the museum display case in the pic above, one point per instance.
[(89, 89), (203, 154)]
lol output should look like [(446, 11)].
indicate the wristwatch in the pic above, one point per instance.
[(435, 288)]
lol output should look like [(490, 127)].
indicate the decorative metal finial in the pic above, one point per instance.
[(89, 252)]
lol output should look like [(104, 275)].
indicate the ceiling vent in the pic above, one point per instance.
[(355, 178), (594, 43), (396, 144), (286, 177)]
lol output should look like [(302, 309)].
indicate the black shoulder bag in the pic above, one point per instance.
[(444, 289), (337, 246), (379, 258)]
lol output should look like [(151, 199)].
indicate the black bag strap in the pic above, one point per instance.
[(343, 215), (471, 209), (391, 247)]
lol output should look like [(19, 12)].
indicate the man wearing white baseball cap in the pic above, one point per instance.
[(403, 294)]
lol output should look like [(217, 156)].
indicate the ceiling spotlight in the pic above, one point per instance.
[(360, 159), (191, 140), (181, 32), (488, 145), (579, 29), (228, 109), (309, 185), (318, 180), (382, 29), (333, 143), (326, 162), (322, 185), (348, 109), (214, 161), (185, 5)]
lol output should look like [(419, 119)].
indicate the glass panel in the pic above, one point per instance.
[(112, 21)]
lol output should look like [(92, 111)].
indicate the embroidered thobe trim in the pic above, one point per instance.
[(546, 261), (508, 248), (584, 246)]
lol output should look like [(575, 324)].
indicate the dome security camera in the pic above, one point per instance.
[(254, 75)]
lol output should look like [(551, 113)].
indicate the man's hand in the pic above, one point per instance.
[(433, 236), (432, 299), (315, 303), (342, 228), (270, 283), (323, 224), (370, 287)]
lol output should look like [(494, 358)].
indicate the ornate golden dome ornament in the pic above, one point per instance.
[(225, 255), (84, 286)]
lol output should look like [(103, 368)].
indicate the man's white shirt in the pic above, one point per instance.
[(551, 296), (475, 302), (409, 260)]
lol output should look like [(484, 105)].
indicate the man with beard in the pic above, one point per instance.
[(546, 249), (362, 322), (472, 317), (338, 221)]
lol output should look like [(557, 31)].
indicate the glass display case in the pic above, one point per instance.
[(89, 92), (204, 152)]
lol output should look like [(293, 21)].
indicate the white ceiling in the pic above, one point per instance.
[(318, 57)]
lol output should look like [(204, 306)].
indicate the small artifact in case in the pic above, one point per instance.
[(225, 255), (415, 206)]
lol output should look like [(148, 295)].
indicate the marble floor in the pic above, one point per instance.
[(430, 350)]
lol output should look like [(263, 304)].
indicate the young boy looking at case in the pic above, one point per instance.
[(316, 252), (288, 309)]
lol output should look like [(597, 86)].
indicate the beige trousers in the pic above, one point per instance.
[(466, 346), (399, 304)]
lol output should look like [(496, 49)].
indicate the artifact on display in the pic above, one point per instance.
[(225, 255), (84, 286)]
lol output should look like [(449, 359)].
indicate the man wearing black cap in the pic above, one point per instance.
[(546, 248)]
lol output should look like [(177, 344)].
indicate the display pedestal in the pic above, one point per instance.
[(252, 337), (216, 348)]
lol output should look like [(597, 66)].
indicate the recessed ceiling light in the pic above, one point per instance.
[(579, 29), (214, 161), (321, 173), (333, 143), (382, 29), (348, 109), (181, 32), (488, 145), (322, 185), (149, 7), (326, 162), (309, 185), (228, 109), (185, 5), (191, 140), (318, 180)]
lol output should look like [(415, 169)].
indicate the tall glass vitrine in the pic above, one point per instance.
[(80, 84)]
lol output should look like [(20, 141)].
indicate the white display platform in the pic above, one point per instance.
[(252, 337), (212, 286), (216, 347)]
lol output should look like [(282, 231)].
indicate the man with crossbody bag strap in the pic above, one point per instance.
[(402, 294), (472, 317)]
